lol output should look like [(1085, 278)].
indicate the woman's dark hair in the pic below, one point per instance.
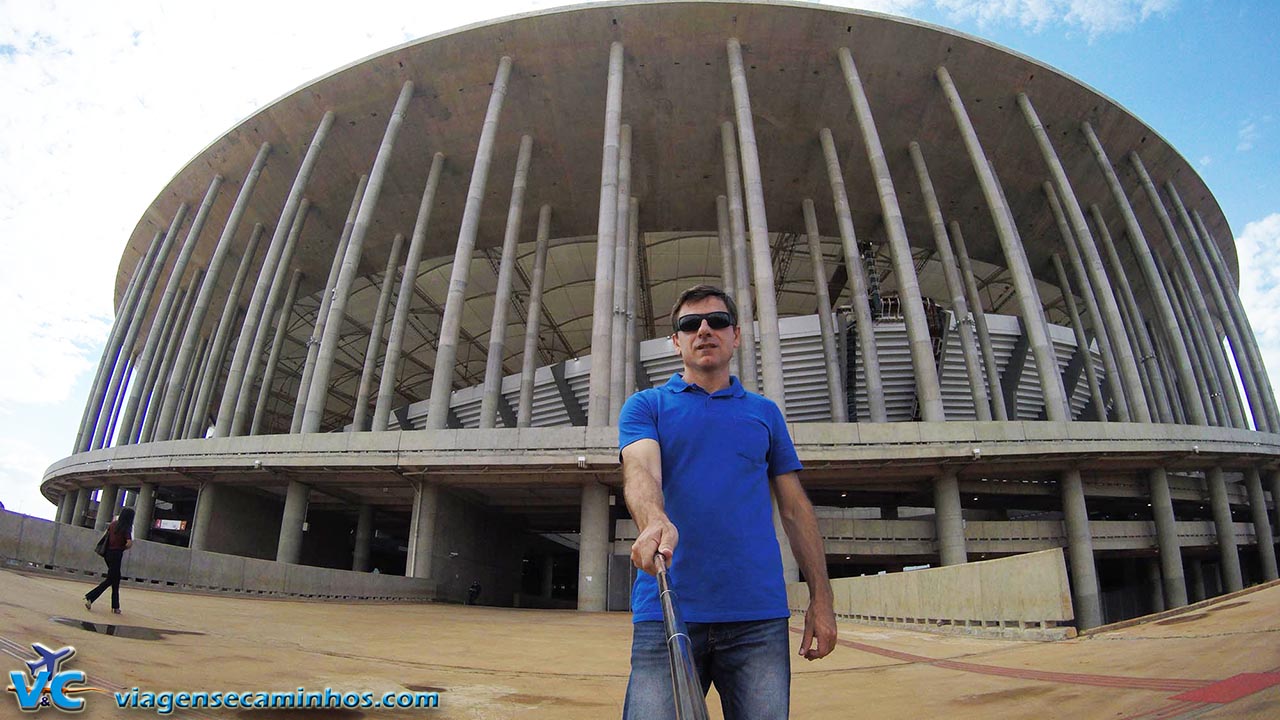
[(700, 292), (126, 518)]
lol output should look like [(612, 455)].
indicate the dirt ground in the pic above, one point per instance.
[(1220, 660)]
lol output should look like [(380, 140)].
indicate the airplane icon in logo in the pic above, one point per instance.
[(50, 660)]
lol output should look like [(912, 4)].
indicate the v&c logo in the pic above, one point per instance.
[(45, 683)]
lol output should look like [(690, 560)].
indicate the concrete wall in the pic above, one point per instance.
[(28, 543), (244, 523), (473, 543), (1024, 596)]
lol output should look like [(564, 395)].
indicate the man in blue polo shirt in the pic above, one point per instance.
[(700, 458)]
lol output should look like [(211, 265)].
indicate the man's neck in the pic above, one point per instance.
[(712, 382)]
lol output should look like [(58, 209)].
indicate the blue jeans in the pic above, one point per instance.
[(748, 662)]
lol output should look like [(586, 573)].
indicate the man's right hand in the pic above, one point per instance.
[(660, 536)]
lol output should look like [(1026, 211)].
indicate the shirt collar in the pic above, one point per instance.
[(677, 385)]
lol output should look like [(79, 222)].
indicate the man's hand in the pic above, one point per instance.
[(819, 629), (660, 536)]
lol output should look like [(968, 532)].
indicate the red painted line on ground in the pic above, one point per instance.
[(1113, 681), (1231, 689)]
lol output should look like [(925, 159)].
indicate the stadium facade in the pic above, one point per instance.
[(387, 321)]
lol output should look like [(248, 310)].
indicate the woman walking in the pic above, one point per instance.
[(119, 539)]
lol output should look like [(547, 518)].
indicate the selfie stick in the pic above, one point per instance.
[(685, 686)]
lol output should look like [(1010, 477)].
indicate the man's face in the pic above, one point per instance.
[(705, 349)]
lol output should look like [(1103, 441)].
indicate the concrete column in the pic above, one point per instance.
[(273, 360), (1261, 524), (142, 361), (364, 538), (548, 575), (203, 514), (145, 385), (249, 329), (1182, 269), (748, 374), (1248, 364), (949, 520), (621, 280), (326, 300), (422, 529), (111, 354), (1273, 483), (1100, 331), (451, 323), (1175, 585), (1155, 584), (928, 390), (318, 392), (1156, 390), (1241, 321), (1125, 382), (113, 413), (1208, 383), (758, 231), (1084, 576), (632, 354), (533, 324), (81, 506), (210, 285), (606, 241), (502, 298), (726, 248), (995, 390), (144, 508), (404, 299), (165, 368), (1138, 243), (375, 336), (241, 418), (1032, 312), (955, 288), (835, 383), (66, 504), (222, 336), (186, 401), (593, 548), (106, 503), (1195, 570), (1082, 341), (1224, 525), (289, 549)]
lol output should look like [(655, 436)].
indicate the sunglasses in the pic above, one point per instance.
[(715, 320)]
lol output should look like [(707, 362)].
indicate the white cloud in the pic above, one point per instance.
[(1258, 248), (1247, 136), (1095, 17)]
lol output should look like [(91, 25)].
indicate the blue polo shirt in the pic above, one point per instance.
[(719, 451)]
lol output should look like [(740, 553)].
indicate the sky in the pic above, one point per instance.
[(101, 103)]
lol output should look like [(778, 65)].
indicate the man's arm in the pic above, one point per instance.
[(801, 525), (642, 488)]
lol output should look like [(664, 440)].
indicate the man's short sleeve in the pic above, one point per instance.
[(782, 452), (638, 419)]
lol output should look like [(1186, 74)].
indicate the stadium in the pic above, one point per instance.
[(374, 337)]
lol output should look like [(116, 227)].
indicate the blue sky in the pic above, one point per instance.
[(98, 110)]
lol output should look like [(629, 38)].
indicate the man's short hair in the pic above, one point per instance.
[(700, 292)]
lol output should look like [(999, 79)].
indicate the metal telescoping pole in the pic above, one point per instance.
[(322, 315), (621, 251), (1142, 251), (361, 413), (241, 419), (210, 285), (404, 300), (451, 323), (318, 392), (995, 390), (835, 384), (758, 232), (524, 411), (968, 346), (493, 372), (273, 360), (606, 242), (253, 315), (857, 274), (748, 374), (686, 688), (222, 336), (1082, 341), (1031, 310)]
